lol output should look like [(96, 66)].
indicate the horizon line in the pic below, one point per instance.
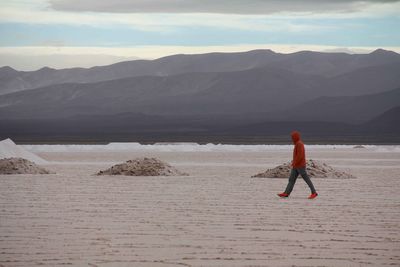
[(106, 56)]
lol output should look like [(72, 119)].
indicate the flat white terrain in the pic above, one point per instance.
[(217, 216)]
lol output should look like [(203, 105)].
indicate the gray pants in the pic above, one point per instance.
[(293, 177)]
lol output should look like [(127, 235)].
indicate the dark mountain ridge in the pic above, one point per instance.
[(251, 91), (256, 93), (305, 62), (350, 109)]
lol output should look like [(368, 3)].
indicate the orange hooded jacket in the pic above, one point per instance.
[(299, 153)]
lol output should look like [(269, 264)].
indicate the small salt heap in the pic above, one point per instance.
[(20, 166), (315, 169), (143, 167)]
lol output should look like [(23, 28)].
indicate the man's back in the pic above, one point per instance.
[(299, 153)]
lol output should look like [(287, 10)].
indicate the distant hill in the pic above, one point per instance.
[(170, 65), (219, 94), (388, 122), (350, 109), (305, 62), (259, 90), (373, 79)]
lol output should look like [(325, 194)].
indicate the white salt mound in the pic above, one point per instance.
[(359, 146), (8, 149), (315, 169), (20, 166), (143, 167)]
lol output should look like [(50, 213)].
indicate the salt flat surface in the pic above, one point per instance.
[(194, 147), (218, 216)]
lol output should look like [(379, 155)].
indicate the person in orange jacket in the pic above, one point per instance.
[(298, 167)]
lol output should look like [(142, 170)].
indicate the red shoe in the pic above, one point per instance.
[(313, 195), (283, 195)]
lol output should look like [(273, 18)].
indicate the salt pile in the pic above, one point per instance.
[(20, 166), (315, 169), (359, 146), (143, 167), (8, 149)]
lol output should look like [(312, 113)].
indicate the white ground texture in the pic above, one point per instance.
[(8, 149), (216, 216)]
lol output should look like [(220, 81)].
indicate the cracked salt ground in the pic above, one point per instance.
[(217, 216)]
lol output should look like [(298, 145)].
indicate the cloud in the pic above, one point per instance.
[(62, 12), (215, 6), (162, 23)]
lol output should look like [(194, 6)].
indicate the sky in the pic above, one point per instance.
[(85, 33)]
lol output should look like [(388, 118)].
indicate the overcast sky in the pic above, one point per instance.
[(66, 33)]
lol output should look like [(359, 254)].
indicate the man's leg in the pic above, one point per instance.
[(292, 180), (307, 179)]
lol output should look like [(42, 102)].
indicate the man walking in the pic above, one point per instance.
[(298, 167)]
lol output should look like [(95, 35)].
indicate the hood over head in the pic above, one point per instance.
[(295, 136)]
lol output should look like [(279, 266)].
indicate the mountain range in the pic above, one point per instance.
[(215, 94)]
